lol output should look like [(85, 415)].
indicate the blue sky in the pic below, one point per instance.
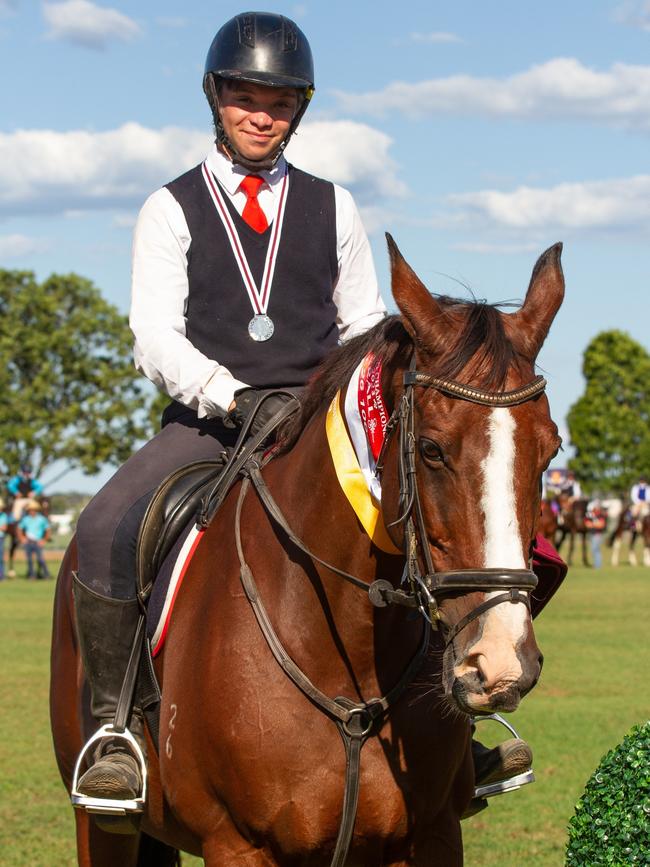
[(476, 133)]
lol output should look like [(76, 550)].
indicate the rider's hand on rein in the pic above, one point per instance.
[(261, 403)]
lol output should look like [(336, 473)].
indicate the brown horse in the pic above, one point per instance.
[(636, 528), (547, 524), (252, 768), (573, 514)]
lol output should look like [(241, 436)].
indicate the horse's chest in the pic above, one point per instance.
[(278, 768)]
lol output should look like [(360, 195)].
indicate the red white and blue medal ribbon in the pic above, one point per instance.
[(260, 326)]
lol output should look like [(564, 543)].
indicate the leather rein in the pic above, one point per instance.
[(357, 721)]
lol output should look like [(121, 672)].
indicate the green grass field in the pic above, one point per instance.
[(594, 688)]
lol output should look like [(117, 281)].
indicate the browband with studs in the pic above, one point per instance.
[(476, 395)]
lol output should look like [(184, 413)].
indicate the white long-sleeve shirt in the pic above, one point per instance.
[(160, 288)]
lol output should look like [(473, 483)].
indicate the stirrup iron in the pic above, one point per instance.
[(512, 783), (110, 806)]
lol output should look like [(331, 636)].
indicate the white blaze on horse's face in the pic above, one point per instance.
[(502, 547), (504, 626)]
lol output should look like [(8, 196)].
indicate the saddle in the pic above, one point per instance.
[(176, 501)]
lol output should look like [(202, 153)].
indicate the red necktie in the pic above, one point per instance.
[(252, 212)]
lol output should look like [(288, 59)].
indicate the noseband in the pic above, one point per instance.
[(428, 588)]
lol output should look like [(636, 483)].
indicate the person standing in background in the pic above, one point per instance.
[(34, 530), (4, 522), (596, 523)]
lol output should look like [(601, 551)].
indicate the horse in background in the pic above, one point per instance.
[(252, 769), (571, 523), (614, 506), (547, 525), (633, 528)]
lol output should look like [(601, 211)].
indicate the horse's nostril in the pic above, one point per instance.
[(473, 662)]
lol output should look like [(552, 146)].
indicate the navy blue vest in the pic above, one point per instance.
[(301, 304)]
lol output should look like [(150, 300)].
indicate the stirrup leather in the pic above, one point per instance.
[(110, 806), (511, 784)]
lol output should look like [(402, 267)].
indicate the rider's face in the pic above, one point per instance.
[(256, 118)]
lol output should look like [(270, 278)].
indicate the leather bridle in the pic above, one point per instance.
[(430, 587)]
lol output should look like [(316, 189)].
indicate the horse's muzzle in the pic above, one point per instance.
[(471, 697)]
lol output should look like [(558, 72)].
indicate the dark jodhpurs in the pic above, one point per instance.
[(107, 529)]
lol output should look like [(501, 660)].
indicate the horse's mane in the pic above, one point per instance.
[(477, 341)]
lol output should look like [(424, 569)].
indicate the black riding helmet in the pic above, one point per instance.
[(263, 48)]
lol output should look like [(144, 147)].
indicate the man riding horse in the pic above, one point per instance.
[(246, 273), (23, 487), (570, 491), (640, 499)]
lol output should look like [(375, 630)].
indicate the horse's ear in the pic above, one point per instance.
[(529, 326), (420, 311)]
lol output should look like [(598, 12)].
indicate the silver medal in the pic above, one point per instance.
[(260, 327)]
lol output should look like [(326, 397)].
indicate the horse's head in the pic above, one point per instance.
[(482, 437)]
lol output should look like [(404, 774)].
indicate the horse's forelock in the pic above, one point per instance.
[(477, 348)]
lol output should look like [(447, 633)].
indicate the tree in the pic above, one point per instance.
[(68, 388), (610, 824), (610, 423)]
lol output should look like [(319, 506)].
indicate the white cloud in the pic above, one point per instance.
[(376, 218), (125, 220), (47, 172), (436, 37), (352, 154), (612, 205), (85, 23), (42, 171), (634, 14), (16, 246), (561, 88)]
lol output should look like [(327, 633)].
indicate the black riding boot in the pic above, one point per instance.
[(106, 629)]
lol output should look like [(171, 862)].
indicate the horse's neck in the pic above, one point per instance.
[(305, 482), (364, 640)]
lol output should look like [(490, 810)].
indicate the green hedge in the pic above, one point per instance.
[(611, 824)]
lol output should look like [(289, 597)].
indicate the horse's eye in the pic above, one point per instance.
[(431, 451)]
